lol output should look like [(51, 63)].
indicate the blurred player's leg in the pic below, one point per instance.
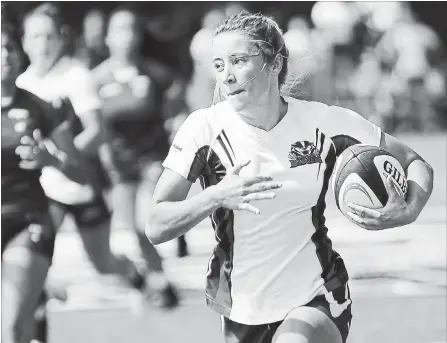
[(182, 247), (51, 291), (93, 222), (25, 262), (125, 215)]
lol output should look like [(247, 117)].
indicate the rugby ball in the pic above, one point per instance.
[(360, 175)]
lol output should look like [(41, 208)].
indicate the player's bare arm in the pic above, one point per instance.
[(172, 216), (93, 135)]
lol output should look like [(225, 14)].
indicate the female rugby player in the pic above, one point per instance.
[(273, 275), (135, 94)]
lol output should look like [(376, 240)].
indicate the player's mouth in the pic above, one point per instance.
[(238, 91)]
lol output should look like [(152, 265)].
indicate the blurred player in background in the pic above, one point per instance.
[(28, 234), (91, 48), (58, 78), (136, 93), (201, 87)]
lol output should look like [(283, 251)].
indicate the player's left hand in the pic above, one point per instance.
[(33, 152), (395, 213)]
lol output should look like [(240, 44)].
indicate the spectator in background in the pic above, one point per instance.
[(409, 49), (91, 49), (233, 7), (135, 94), (302, 63), (201, 88)]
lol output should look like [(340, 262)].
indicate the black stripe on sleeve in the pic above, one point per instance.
[(198, 164), (342, 142)]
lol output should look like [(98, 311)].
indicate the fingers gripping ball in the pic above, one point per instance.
[(360, 177)]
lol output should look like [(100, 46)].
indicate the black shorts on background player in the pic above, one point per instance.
[(24, 204), (94, 212)]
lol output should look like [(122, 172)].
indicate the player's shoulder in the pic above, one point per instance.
[(31, 100), (321, 112), (201, 116), (24, 79), (72, 69), (207, 120), (36, 107), (305, 105)]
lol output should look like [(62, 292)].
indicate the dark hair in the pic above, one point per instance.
[(9, 28), (49, 10), (266, 34)]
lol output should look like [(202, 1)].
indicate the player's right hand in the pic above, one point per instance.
[(236, 192)]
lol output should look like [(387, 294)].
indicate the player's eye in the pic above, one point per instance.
[(219, 66), (239, 61)]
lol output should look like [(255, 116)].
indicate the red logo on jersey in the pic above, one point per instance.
[(303, 152)]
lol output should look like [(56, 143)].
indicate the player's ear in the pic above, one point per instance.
[(277, 64)]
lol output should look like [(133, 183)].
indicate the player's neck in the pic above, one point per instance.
[(266, 114), (42, 68)]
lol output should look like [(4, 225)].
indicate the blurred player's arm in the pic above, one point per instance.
[(173, 86), (87, 105), (56, 139), (68, 160), (93, 135)]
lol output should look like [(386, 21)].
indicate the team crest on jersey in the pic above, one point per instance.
[(303, 152)]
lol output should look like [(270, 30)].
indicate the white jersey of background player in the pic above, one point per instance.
[(67, 79), (287, 242)]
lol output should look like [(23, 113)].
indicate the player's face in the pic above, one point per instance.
[(241, 72), (42, 40), (122, 35), (94, 30), (11, 58)]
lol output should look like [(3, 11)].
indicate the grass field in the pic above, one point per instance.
[(398, 281)]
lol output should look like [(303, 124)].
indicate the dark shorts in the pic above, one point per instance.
[(34, 232), (86, 215), (131, 159), (137, 170), (263, 333)]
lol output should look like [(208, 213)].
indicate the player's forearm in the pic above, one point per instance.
[(169, 220), (420, 186), (90, 139), (70, 167)]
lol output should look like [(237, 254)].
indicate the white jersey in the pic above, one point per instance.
[(69, 79), (265, 265)]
